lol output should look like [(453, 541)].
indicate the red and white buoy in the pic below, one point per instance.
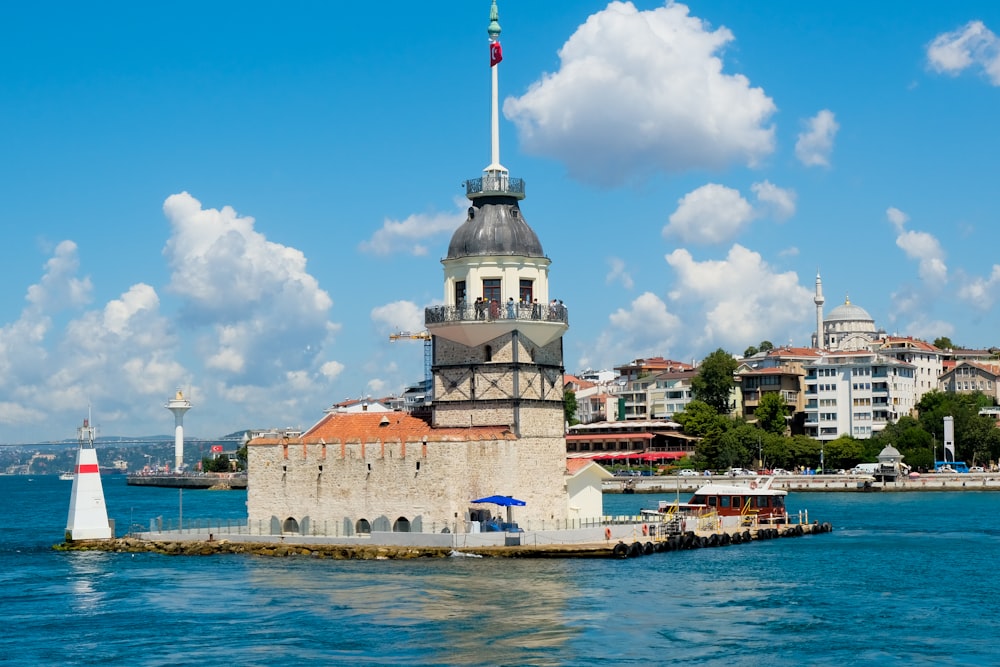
[(88, 515)]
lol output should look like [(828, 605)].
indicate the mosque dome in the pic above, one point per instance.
[(492, 229), (848, 312)]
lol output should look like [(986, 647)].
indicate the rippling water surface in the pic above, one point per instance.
[(904, 579)]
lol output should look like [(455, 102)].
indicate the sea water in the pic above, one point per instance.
[(903, 579)]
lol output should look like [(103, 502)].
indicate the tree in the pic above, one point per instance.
[(844, 452), (714, 382), (218, 464), (943, 343), (750, 351), (569, 407), (700, 420), (766, 346), (771, 412)]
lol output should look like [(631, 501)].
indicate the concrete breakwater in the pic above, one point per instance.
[(630, 543), (819, 483), (196, 481)]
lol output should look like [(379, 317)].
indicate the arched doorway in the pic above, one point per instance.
[(402, 525), (362, 527), (290, 525)]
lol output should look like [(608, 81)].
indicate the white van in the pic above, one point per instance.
[(865, 468)]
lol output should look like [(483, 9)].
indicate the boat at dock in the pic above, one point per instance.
[(723, 506)]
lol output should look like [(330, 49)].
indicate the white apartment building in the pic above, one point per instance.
[(926, 359), (856, 393)]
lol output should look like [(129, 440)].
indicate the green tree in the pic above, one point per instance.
[(218, 464), (771, 412), (964, 409), (700, 419), (844, 452), (943, 343), (766, 346), (750, 351), (714, 382), (909, 438), (569, 407)]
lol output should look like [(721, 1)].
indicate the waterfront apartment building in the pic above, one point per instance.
[(856, 393)]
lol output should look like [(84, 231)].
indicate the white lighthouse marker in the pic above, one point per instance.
[(178, 405), (88, 515)]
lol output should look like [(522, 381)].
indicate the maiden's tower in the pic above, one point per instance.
[(496, 425)]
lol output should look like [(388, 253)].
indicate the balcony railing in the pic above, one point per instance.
[(493, 312), (495, 184), (789, 396)]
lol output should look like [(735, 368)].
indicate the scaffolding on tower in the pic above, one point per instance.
[(428, 352)]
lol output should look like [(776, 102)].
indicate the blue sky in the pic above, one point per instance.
[(244, 200)]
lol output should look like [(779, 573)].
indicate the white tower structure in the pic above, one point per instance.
[(178, 405), (948, 454), (819, 300), (88, 515)]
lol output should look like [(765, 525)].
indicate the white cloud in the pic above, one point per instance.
[(618, 273), (815, 144), (398, 316), (971, 45), (406, 235), (59, 286), (897, 218), (645, 328), (258, 312), (710, 214), (920, 246), (331, 369), (981, 293), (778, 203), (643, 91), (738, 299)]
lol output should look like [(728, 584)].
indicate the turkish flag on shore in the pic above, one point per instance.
[(216, 449), (496, 53)]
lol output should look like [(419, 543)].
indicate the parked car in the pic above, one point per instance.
[(977, 469), (688, 472)]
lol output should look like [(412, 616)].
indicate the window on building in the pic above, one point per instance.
[(491, 289), (527, 291), (459, 292)]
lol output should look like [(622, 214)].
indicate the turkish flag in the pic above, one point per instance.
[(496, 53), (216, 449)]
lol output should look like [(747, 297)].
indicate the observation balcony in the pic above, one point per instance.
[(473, 325), (494, 184)]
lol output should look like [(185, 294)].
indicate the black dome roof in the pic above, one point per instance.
[(494, 228)]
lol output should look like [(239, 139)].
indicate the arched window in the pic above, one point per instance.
[(362, 527), (402, 525), (290, 525)]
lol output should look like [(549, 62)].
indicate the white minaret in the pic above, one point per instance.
[(819, 300), (88, 516), (178, 405)]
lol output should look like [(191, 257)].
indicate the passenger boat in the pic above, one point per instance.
[(736, 504), (66, 476)]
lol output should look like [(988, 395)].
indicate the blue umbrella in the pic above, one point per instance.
[(503, 501)]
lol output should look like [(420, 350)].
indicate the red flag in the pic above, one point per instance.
[(216, 449), (496, 53)]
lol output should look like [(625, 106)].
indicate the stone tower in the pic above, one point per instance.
[(497, 340)]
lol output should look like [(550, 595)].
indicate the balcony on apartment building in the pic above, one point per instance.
[(752, 397)]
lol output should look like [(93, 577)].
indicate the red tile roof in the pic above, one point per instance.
[(398, 427)]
